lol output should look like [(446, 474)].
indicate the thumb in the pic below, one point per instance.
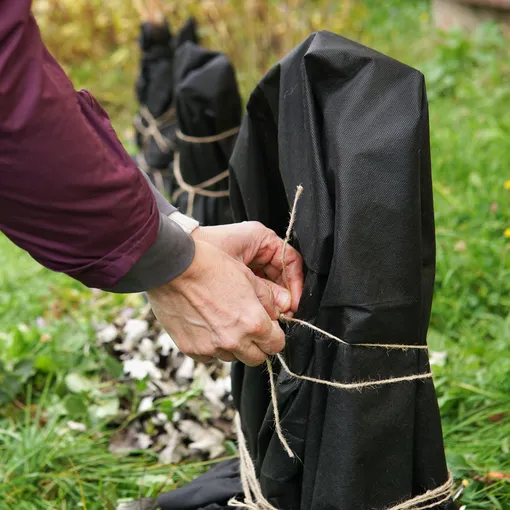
[(282, 297), (265, 295)]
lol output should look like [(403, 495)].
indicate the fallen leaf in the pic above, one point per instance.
[(173, 451), (496, 475), (45, 338), (140, 369), (147, 349), (79, 427), (107, 334), (166, 344), (497, 417), (77, 383), (129, 439), (139, 504), (134, 331), (208, 440), (145, 404), (185, 371)]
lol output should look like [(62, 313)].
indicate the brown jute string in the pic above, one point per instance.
[(251, 486), (153, 127), (255, 500), (197, 189), (200, 189), (208, 139), (153, 130)]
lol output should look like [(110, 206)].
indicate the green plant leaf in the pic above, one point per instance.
[(106, 409), (24, 369), (78, 383), (76, 405)]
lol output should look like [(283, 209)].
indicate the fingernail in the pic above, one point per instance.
[(282, 300)]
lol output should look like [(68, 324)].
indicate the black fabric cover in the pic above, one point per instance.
[(211, 491), (154, 87), (207, 102), (351, 126), (187, 33)]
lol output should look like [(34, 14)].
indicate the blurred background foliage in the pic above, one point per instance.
[(92, 36), (46, 320)]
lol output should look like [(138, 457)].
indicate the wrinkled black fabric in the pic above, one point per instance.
[(211, 491), (207, 102), (155, 86), (187, 33), (351, 126)]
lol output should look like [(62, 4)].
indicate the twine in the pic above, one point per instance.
[(153, 127), (356, 385), (153, 130), (200, 189), (197, 189), (208, 139), (400, 347), (254, 499), (277, 421), (444, 492)]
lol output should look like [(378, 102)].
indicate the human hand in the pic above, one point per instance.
[(260, 249), (218, 307)]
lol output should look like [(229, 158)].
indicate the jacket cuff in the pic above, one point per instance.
[(167, 258)]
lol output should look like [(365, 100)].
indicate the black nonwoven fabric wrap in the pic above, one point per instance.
[(211, 491), (155, 90), (207, 103), (351, 126)]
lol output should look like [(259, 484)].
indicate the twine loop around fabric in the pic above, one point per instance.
[(154, 127), (254, 499), (201, 188)]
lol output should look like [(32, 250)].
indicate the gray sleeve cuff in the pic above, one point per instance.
[(168, 257)]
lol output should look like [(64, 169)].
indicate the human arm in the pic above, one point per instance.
[(72, 198), (69, 193)]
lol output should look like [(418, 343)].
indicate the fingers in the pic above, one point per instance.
[(266, 334), (225, 355), (275, 341), (252, 355), (201, 359), (260, 248), (219, 309), (281, 296), (263, 345), (270, 258), (265, 295), (219, 354)]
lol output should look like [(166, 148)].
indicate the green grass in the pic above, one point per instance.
[(45, 465), (46, 319)]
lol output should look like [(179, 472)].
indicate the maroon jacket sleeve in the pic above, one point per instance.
[(69, 193)]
